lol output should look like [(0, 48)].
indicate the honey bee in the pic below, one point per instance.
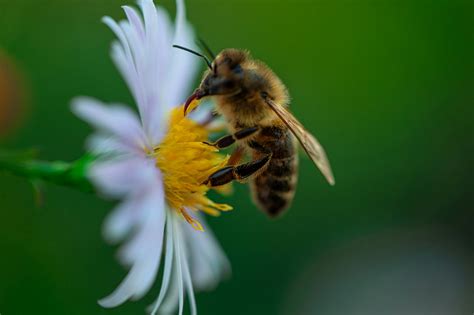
[(254, 103)]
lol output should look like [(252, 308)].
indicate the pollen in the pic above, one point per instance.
[(186, 162)]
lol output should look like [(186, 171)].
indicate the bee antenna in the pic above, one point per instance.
[(195, 53), (208, 50)]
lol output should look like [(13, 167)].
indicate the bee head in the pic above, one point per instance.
[(224, 76)]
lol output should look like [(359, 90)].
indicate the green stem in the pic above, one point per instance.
[(71, 174)]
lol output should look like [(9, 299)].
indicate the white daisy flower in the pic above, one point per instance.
[(155, 163)]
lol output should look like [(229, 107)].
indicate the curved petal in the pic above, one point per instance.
[(124, 60), (158, 76), (106, 144), (171, 297), (177, 238), (209, 264), (198, 263), (127, 215), (171, 300), (168, 268), (187, 279), (183, 65), (116, 120), (142, 57), (146, 246)]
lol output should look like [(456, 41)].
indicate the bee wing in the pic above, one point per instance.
[(309, 143)]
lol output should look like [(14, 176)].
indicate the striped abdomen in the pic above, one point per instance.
[(274, 188)]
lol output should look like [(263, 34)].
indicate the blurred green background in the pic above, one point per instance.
[(388, 88)]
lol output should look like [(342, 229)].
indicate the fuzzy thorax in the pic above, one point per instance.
[(186, 162)]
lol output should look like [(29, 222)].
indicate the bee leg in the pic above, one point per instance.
[(229, 173), (228, 140)]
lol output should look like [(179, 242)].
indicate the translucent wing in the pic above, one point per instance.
[(309, 143)]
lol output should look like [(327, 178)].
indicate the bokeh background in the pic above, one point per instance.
[(387, 86)]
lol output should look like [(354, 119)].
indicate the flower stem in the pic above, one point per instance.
[(70, 174)]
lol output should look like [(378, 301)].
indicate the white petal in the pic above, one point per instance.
[(120, 221), (168, 266), (129, 56), (171, 300), (116, 120), (179, 264), (105, 144), (123, 58), (128, 71), (187, 279), (126, 216), (164, 53), (209, 263), (150, 235), (158, 75), (156, 41), (185, 67), (135, 20), (120, 177), (188, 244), (141, 61)]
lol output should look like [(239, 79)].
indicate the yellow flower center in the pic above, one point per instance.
[(186, 162)]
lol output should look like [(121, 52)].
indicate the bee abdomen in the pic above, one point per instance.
[(274, 189)]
